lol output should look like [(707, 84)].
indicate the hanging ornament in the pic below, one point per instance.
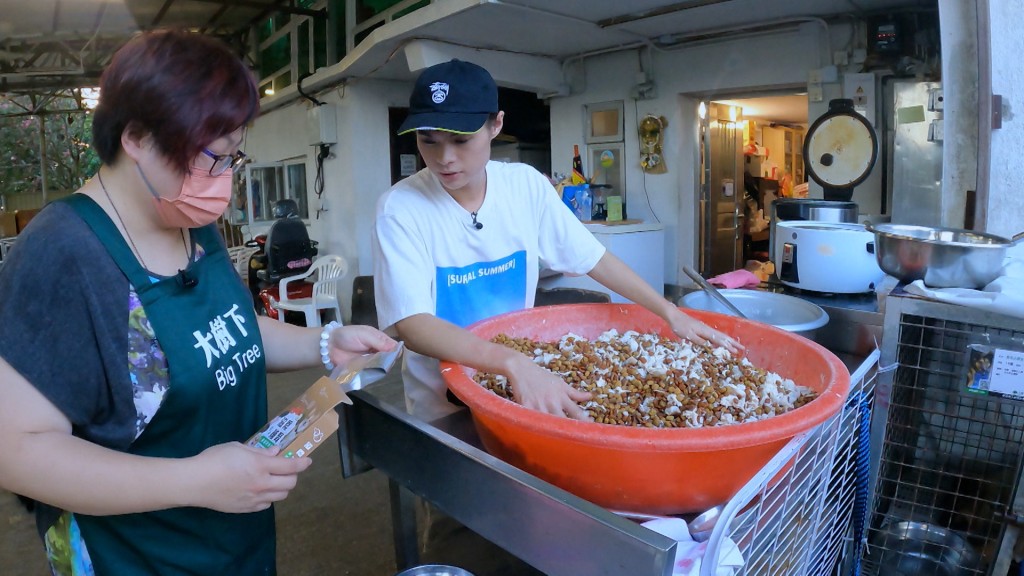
[(651, 129)]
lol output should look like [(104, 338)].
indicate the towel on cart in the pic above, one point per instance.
[(741, 278), (690, 553), (1004, 295)]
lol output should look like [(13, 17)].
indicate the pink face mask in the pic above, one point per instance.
[(202, 200)]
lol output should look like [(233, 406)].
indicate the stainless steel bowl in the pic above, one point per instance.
[(790, 313), (434, 570), (913, 548), (941, 257)]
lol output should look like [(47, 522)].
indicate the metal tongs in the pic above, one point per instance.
[(364, 370), (711, 290)]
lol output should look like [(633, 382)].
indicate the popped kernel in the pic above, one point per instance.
[(647, 380)]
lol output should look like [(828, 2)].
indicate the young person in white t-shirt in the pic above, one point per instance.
[(462, 239)]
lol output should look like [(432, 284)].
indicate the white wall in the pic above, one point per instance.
[(775, 61), (354, 177), (1006, 183), (360, 169)]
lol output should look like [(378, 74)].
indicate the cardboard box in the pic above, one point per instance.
[(8, 224), (614, 208), (304, 425)]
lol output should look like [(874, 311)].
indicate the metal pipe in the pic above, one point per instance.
[(42, 156), (985, 112)]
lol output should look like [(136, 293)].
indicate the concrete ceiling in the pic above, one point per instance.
[(785, 109), (52, 44), (48, 44)]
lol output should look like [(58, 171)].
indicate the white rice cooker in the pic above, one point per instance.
[(826, 256)]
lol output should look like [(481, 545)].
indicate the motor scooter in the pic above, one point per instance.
[(285, 250)]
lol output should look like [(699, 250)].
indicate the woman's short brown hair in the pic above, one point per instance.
[(183, 88)]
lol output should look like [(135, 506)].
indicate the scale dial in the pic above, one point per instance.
[(841, 147)]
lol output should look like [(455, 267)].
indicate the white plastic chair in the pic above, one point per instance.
[(329, 269), (240, 258)]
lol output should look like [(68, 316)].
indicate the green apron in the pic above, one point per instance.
[(207, 329)]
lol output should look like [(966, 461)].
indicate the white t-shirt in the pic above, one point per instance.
[(429, 258)]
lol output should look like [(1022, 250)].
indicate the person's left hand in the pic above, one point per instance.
[(692, 329), (347, 342)]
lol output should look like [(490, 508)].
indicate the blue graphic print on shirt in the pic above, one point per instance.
[(477, 291)]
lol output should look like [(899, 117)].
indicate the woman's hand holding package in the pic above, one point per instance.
[(543, 391), (235, 478), (688, 327)]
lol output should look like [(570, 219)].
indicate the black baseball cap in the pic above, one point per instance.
[(453, 96)]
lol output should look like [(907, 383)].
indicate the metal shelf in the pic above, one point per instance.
[(442, 463)]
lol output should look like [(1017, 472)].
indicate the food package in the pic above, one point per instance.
[(305, 423)]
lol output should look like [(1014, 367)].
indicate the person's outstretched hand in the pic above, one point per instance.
[(544, 391), (348, 342), (235, 478), (692, 329)]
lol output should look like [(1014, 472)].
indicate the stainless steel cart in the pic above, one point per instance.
[(793, 517)]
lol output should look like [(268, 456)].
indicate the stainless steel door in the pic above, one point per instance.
[(722, 241), (914, 118)]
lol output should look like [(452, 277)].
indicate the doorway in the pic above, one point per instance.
[(525, 136), (751, 153)]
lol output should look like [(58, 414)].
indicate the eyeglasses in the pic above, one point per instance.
[(224, 162)]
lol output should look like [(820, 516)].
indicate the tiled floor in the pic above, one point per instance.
[(327, 526)]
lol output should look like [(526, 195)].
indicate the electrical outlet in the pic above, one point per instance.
[(645, 91), (815, 93), (860, 55), (814, 76), (840, 58)]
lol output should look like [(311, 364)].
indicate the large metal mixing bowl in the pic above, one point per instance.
[(914, 548), (941, 257), (434, 570), (790, 313)]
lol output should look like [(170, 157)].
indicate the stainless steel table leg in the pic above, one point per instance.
[(403, 525)]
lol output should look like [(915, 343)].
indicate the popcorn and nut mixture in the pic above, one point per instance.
[(649, 381)]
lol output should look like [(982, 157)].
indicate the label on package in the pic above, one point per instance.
[(999, 372), (305, 423)]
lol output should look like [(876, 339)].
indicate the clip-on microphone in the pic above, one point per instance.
[(477, 225), (186, 280)]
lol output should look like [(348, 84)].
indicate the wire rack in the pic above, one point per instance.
[(948, 461), (796, 515)]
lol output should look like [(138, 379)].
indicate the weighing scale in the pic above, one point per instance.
[(840, 149)]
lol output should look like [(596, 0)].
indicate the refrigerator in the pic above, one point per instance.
[(641, 246)]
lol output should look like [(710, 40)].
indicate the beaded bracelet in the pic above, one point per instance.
[(325, 336)]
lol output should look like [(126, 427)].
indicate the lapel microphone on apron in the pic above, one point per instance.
[(186, 279)]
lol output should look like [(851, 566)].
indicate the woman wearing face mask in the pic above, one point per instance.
[(132, 365)]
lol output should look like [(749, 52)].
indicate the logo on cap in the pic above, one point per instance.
[(438, 92)]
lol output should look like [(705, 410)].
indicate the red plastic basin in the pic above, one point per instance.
[(655, 471)]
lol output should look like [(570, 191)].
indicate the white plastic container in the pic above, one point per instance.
[(826, 257)]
